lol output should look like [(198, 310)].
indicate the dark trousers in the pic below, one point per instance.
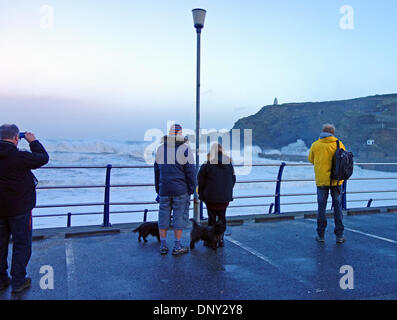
[(322, 197), (216, 215), (20, 228)]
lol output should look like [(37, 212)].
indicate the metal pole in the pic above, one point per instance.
[(69, 222), (277, 208), (106, 208), (196, 199)]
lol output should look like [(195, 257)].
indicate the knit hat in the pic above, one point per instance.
[(175, 130)]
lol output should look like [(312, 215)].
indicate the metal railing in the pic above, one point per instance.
[(274, 207)]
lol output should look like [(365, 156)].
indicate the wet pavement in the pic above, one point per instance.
[(273, 260)]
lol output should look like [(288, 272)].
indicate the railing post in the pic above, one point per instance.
[(277, 209), (344, 199), (369, 203), (271, 208), (69, 223), (201, 211), (145, 215), (106, 208)]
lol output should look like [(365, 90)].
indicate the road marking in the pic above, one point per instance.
[(264, 258), (364, 233), (252, 251), (371, 235), (70, 268)]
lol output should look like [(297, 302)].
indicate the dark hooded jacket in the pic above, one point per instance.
[(216, 181), (17, 182), (174, 168)]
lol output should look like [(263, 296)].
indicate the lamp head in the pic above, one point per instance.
[(198, 18)]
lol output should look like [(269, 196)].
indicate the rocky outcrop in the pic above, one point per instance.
[(367, 126)]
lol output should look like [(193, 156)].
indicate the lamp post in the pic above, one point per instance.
[(198, 19)]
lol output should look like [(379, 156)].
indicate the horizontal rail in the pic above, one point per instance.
[(107, 186), (152, 185), (377, 164), (127, 185), (373, 191), (254, 196), (255, 181), (131, 203), (70, 205), (235, 197), (235, 165), (232, 206), (70, 187), (348, 192)]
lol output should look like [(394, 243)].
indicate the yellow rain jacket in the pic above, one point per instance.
[(321, 154)]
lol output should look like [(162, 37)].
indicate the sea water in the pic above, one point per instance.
[(131, 153)]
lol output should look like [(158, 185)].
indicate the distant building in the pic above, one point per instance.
[(275, 101)]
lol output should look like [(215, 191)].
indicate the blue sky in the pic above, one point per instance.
[(112, 70)]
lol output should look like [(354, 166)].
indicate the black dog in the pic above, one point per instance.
[(210, 235), (148, 228)]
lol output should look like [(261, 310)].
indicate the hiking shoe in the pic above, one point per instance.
[(163, 249), (181, 250), (5, 283), (320, 239), (28, 282), (340, 239)]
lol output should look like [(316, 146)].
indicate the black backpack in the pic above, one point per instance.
[(342, 165)]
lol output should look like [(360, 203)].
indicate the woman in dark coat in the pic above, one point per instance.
[(216, 180)]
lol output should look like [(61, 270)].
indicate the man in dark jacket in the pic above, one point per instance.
[(17, 199), (175, 181)]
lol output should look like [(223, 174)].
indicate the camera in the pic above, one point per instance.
[(22, 135)]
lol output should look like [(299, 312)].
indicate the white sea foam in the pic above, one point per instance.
[(72, 153), (296, 148)]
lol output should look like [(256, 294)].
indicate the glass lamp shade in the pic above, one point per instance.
[(199, 17)]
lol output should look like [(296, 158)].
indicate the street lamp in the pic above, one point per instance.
[(198, 19)]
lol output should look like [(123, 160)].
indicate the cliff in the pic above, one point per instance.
[(367, 126)]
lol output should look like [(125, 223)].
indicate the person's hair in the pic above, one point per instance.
[(329, 128), (8, 131), (215, 150)]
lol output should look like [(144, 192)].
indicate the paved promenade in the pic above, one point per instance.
[(260, 260)]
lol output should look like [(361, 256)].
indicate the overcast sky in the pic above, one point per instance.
[(114, 69)]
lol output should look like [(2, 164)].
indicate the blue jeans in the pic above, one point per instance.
[(322, 197), (179, 206), (20, 228)]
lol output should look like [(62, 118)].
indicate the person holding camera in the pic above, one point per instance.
[(17, 199)]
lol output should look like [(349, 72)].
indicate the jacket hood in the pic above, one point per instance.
[(174, 140), (330, 139), (220, 159), (5, 148)]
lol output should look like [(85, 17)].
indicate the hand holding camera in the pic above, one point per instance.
[(30, 137)]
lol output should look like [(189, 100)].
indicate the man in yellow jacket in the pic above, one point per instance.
[(321, 155)]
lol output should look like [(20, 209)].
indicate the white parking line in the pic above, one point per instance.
[(252, 251), (371, 235), (363, 233), (70, 268), (262, 257)]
